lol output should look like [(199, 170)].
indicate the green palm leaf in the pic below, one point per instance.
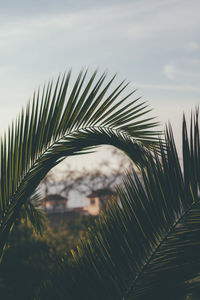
[(148, 247), (31, 213), (62, 122)]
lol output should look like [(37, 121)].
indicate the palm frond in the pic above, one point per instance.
[(148, 247), (31, 212), (45, 133)]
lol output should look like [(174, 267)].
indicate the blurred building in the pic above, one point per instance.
[(54, 203), (98, 200)]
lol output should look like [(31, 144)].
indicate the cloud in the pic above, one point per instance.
[(170, 71), (180, 88), (138, 39), (133, 20), (184, 72), (192, 47)]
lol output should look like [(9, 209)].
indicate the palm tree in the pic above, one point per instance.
[(59, 123), (149, 246)]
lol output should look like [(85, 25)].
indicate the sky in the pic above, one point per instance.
[(153, 44)]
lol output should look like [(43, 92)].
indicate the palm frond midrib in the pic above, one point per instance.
[(157, 248), (50, 147)]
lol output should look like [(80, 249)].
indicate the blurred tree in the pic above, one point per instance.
[(85, 181), (27, 263), (30, 258)]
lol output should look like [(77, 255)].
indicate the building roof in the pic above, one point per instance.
[(54, 198), (101, 192)]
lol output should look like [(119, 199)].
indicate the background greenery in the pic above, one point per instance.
[(30, 258)]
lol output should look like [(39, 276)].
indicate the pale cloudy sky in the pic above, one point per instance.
[(154, 44)]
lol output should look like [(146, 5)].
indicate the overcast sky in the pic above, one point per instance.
[(154, 44)]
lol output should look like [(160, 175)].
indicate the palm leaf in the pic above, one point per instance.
[(32, 214), (148, 247), (61, 122)]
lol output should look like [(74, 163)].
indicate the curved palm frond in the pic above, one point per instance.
[(62, 122), (149, 246)]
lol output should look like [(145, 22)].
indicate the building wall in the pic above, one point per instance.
[(94, 206), (51, 207)]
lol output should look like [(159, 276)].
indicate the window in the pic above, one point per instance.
[(92, 201)]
